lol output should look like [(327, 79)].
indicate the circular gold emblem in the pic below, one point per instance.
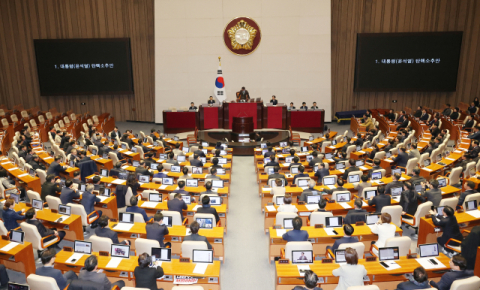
[(242, 35)]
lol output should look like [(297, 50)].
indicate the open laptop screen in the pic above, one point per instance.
[(340, 256), (359, 163), (215, 200), (202, 256), (15, 286), (217, 183), (288, 223), (156, 197), (303, 182), (175, 168), (82, 247), (37, 204), (376, 175), (354, 178), (144, 178), (396, 191), (471, 205), (167, 181), (302, 257), (154, 166), (313, 199), (279, 200), (371, 219), (192, 182), (64, 209), (428, 250), (333, 222), (340, 165), (328, 180), (198, 170), (343, 197), (126, 217), (167, 220), (205, 223), (390, 253), (121, 251), (442, 182), (181, 158), (17, 236), (161, 254), (370, 193)]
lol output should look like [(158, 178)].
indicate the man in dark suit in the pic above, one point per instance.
[(458, 264), (196, 162), (391, 115), (68, 193), (476, 133), (419, 280), (469, 189), (22, 152), (141, 169), (51, 186), (315, 159), (291, 107), (416, 178), (48, 270), (468, 123), (430, 148), (350, 169), (156, 230), (402, 157), (347, 238), (304, 106), (434, 130), (309, 191), (434, 194), (199, 151), (206, 208), (472, 109), (243, 94), (402, 121), (211, 101), (376, 166), (418, 112), (380, 200), (314, 106), (177, 204), (114, 134), (322, 172), (296, 235), (146, 276), (395, 183), (31, 217), (448, 110), (357, 214), (296, 162), (269, 152), (194, 227), (55, 168), (181, 186), (135, 209), (276, 175), (454, 115), (90, 273), (424, 115), (473, 152), (192, 106), (105, 232), (300, 174), (88, 202), (274, 101)]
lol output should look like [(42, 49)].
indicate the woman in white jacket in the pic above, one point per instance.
[(384, 229), (351, 274)]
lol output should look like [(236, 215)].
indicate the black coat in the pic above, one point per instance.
[(450, 228), (147, 277)]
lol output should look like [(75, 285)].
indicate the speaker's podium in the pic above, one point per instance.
[(251, 108)]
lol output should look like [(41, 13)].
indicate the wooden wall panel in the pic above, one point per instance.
[(350, 17), (21, 21)]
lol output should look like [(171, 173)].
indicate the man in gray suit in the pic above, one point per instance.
[(434, 194), (177, 204), (170, 159), (414, 153), (315, 159), (141, 169), (90, 273), (48, 260), (194, 227), (363, 184), (395, 183), (322, 172)]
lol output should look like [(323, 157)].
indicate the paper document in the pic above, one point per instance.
[(332, 147), (330, 232), (114, 262), (196, 207), (280, 155), (76, 257), (10, 246), (102, 198), (280, 232), (200, 268), (364, 203), (271, 208), (286, 164), (150, 204), (342, 170), (118, 181), (313, 206), (128, 152), (363, 168), (427, 169), (330, 160), (266, 189), (304, 187), (302, 269), (163, 187), (391, 265), (22, 175), (123, 227), (345, 205), (125, 166), (427, 264), (47, 158), (448, 158), (12, 169), (214, 189), (331, 186), (402, 179), (474, 213), (361, 152)]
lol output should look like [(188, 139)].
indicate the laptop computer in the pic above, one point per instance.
[(266, 160), (32, 172), (426, 162), (263, 145), (82, 247), (162, 156), (187, 198), (354, 178), (396, 192), (359, 148), (126, 217), (192, 183), (315, 168), (205, 151), (37, 204), (328, 155), (17, 236), (168, 221), (202, 256), (310, 138), (186, 149), (294, 170), (303, 182), (334, 142), (104, 191), (264, 151), (313, 199), (288, 223), (289, 159), (94, 151), (205, 144), (359, 163), (155, 197), (418, 187), (217, 183), (302, 256), (175, 168), (429, 250), (442, 182), (205, 223), (15, 197), (471, 205), (221, 171), (340, 165), (161, 254), (309, 158), (120, 251), (394, 171), (64, 209), (198, 170), (286, 150), (304, 149), (135, 163), (343, 197), (371, 219), (203, 159), (215, 200), (222, 160), (388, 254), (181, 158), (223, 152), (340, 256), (328, 180), (376, 175), (333, 222), (370, 193), (144, 178), (176, 138), (16, 286), (123, 175), (283, 144), (279, 200), (388, 154), (154, 166)]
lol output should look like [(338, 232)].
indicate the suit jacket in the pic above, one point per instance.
[(147, 277), (391, 116), (295, 236), (156, 232), (473, 153), (274, 102), (389, 186), (410, 285), (468, 124), (121, 192), (143, 171), (42, 230), (177, 205), (450, 228), (88, 201), (321, 173), (206, 208), (401, 159), (401, 119), (107, 233), (196, 162), (349, 169), (435, 132), (409, 201), (199, 153), (361, 186), (22, 154), (380, 201), (136, 209), (268, 154), (55, 168), (417, 179), (475, 136), (454, 116), (197, 237), (464, 194), (433, 195), (344, 240), (87, 167), (243, 95), (49, 188), (10, 218), (275, 176), (299, 176), (100, 278), (414, 153), (172, 161), (314, 161), (53, 273), (68, 195), (355, 215), (424, 117), (448, 278)]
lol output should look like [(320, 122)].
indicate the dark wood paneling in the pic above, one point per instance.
[(21, 21), (350, 17)]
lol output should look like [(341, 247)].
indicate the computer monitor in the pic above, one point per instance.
[(123, 175), (370, 193), (134, 149), (283, 144), (471, 205), (288, 223), (120, 251), (334, 142), (161, 254), (328, 155), (359, 163), (388, 154), (222, 160), (144, 178), (64, 209), (175, 168), (215, 200), (221, 171), (145, 140), (32, 172), (198, 170), (394, 171), (294, 170), (155, 143), (162, 156), (186, 149), (376, 175), (396, 191), (354, 178), (37, 204), (203, 159), (309, 158), (187, 198), (205, 223), (263, 145), (440, 210), (153, 166), (16, 286), (428, 250), (135, 163), (223, 152), (302, 256), (217, 183), (289, 159), (266, 160), (426, 162), (371, 219), (343, 197), (388, 254), (192, 183), (82, 247), (304, 149), (167, 220), (315, 168), (303, 182), (340, 256), (418, 187), (264, 151), (82, 187), (176, 138), (340, 165), (17, 236), (328, 180), (94, 151), (126, 217), (155, 197), (310, 138), (15, 197), (333, 222), (313, 199), (442, 182), (279, 200), (104, 191), (181, 158), (202, 256)]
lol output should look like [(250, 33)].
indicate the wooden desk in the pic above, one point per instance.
[(31, 182), (311, 121), (177, 122), (287, 275), (356, 126), (20, 258), (72, 226), (332, 134), (320, 239)]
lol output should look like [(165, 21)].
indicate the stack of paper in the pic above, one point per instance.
[(280, 232), (10, 246), (341, 170), (13, 168), (118, 181), (345, 205), (124, 166), (76, 257), (331, 186), (271, 208), (149, 204), (474, 213), (304, 187), (266, 189), (22, 175), (302, 268), (162, 187), (123, 227), (330, 160), (114, 262), (128, 152), (427, 264), (196, 207), (200, 268), (391, 265), (102, 198), (286, 164), (312, 206), (363, 168), (329, 231)]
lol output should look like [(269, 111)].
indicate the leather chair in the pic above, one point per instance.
[(101, 244), (145, 246), (189, 246), (37, 282)]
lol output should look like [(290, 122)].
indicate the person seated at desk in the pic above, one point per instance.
[(451, 230), (381, 199), (419, 280), (472, 109), (194, 227), (199, 151), (414, 153), (429, 148), (89, 200), (416, 178), (469, 189), (418, 112), (300, 174), (390, 115), (105, 232), (211, 101), (476, 133), (368, 123), (350, 169), (274, 101), (384, 229), (196, 162), (213, 174), (142, 169), (35, 163), (291, 107), (91, 273), (55, 168), (304, 106), (160, 174), (156, 230), (31, 216), (297, 234), (276, 175), (376, 166), (192, 106), (177, 151), (215, 163), (269, 152), (308, 192), (9, 185), (390, 145), (339, 187), (208, 186), (292, 152), (287, 205), (357, 214), (170, 159), (402, 158), (314, 106), (424, 116), (346, 239), (295, 162), (395, 183), (10, 216), (51, 186), (402, 121), (125, 139), (69, 193), (243, 95), (185, 173), (315, 159), (363, 184), (352, 273), (434, 194), (310, 279), (458, 264), (207, 208), (322, 172), (48, 270), (146, 276), (272, 161), (135, 209), (455, 115), (177, 204)]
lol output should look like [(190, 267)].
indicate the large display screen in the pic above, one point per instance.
[(407, 61), (84, 66)]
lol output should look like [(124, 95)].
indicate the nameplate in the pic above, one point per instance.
[(113, 220), (6, 238), (277, 227), (293, 185), (263, 173), (428, 216), (360, 223), (67, 249), (460, 210), (184, 260), (104, 253), (54, 210), (370, 259), (28, 204), (269, 203), (319, 226), (327, 261), (331, 201), (284, 261), (301, 203), (412, 256)]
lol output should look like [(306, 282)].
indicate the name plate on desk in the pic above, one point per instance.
[(217, 241), (184, 260), (319, 226), (370, 259), (327, 261), (104, 253), (284, 261)]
